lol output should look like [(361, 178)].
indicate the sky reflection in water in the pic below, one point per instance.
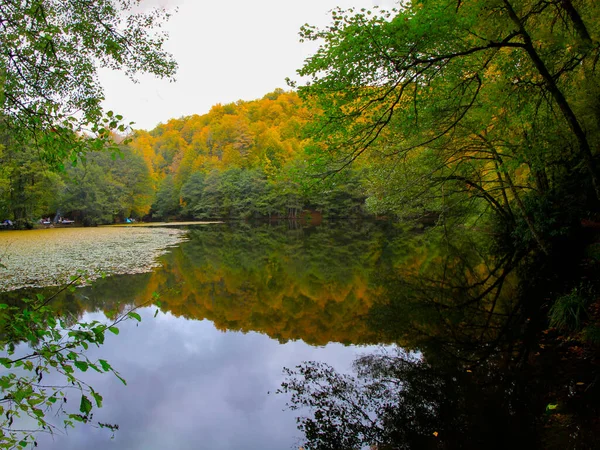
[(191, 386)]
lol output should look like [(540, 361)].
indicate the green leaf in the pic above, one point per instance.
[(98, 399), (120, 378), (85, 406), (135, 316), (6, 362), (81, 365), (105, 365), (113, 330)]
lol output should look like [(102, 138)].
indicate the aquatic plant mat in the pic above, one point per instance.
[(38, 258)]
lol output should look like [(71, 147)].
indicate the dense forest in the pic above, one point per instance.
[(484, 115), (477, 120), (242, 160)]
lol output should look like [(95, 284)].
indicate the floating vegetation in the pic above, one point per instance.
[(39, 258)]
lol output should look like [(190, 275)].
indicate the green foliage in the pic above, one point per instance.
[(167, 199), (28, 189), (52, 49), (101, 188), (233, 193), (474, 105), (340, 195), (569, 311), (48, 345), (591, 334)]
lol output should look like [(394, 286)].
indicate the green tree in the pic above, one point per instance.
[(28, 189), (50, 51), (50, 102), (499, 107), (191, 194), (167, 199), (101, 188)]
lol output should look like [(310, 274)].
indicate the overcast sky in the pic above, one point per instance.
[(227, 50)]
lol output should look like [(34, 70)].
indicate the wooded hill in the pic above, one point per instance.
[(240, 160)]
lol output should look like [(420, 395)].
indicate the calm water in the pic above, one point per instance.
[(239, 303)]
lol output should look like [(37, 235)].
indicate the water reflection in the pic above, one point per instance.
[(441, 292), (191, 386), (315, 284), (350, 283)]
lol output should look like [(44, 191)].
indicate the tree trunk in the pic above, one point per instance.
[(559, 98)]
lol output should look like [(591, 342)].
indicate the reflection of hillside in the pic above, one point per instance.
[(290, 284), (445, 294), (350, 283)]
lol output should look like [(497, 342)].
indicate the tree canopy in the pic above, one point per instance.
[(494, 100), (50, 51)]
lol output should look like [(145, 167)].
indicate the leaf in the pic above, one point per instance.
[(120, 378), (105, 365), (551, 407), (98, 399), (85, 406), (6, 362), (94, 367), (135, 316), (113, 330), (81, 365)]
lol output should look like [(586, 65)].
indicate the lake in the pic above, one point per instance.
[(238, 303), (431, 320)]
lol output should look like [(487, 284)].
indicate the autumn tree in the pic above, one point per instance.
[(495, 100)]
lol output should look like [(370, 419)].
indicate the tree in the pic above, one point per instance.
[(50, 105), (55, 346), (502, 107), (101, 187), (28, 189), (167, 199), (49, 54)]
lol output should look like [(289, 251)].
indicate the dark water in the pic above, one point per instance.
[(241, 302)]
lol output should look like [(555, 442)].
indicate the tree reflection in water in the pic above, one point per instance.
[(474, 378), (470, 371)]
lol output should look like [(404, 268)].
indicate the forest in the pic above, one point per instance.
[(239, 161), (471, 125)]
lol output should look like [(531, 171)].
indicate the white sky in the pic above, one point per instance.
[(227, 50)]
